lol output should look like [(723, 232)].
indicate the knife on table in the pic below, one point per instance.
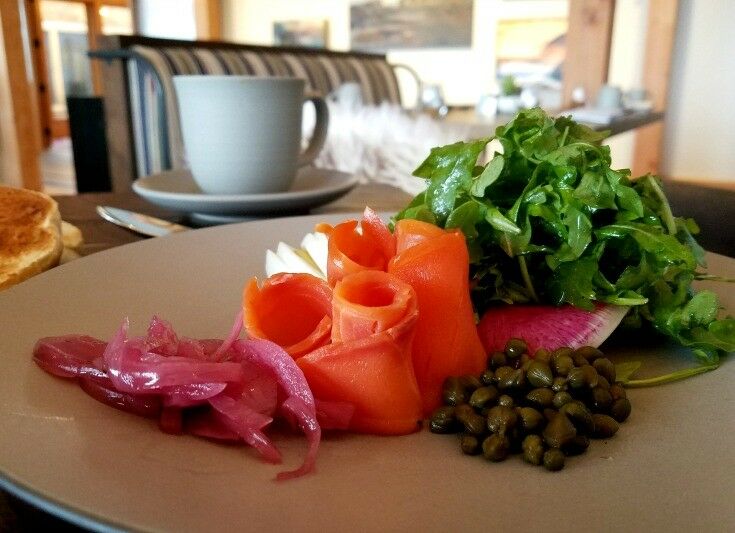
[(138, 222)]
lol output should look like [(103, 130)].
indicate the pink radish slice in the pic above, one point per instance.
[(546, 326)]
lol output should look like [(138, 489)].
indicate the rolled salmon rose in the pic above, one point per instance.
[(352, 250), (369, 362), (291, 310), (435, 263)]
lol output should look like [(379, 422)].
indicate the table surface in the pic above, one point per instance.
[(714, 210), (482, 125)]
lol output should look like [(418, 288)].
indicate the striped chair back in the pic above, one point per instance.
[(156, 131)]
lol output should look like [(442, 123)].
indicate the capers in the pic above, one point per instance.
[(603, 382), (505, 400), (530, 419), (617, 391), (559, 384), (578, 445), (560, 398), (553, 460), (605, 368), (513, 380), (496, 360), (582, 376), (541, 397), (482, 396), (515, 348), (620, 409), (579, 415), (474, 424), (542, 355), (601, 400), (560, 352), (503, 372), (533, 449), (463, 411), (453, 392), (539, 374), (605, 426), (559, 431), (590, 353), (469, 444), (562, 364), (501, 418), (443, 420), (495, 447), (470, 382), (544, 407)]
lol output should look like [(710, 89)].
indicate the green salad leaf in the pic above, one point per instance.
[(549, 220)]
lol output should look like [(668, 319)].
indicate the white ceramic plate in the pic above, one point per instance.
[(176, 189), (670, 467)]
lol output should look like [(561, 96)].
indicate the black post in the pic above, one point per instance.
[(89, 143)]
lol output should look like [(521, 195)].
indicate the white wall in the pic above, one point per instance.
[(172, 19), (699, 138), (465, 74), (626, 66)]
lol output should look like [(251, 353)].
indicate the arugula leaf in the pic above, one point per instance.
[(448, 169), (488, 176), (548, 219)]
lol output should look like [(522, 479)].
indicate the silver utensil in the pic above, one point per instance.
[(138, 222)]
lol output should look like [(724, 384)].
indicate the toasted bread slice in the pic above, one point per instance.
[(30, 234)]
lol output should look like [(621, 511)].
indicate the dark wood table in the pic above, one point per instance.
[(101, 235), (714, 210)]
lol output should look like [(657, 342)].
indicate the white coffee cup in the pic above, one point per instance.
[(242, 134), (610, 97)]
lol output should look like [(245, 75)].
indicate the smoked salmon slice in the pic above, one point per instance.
[(435, 263), (368, 302), (352, 251), (411, 232), (369, 363), (291, 310)]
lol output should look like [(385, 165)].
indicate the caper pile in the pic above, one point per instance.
[(546, 407)]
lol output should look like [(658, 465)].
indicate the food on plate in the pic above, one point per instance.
[(546, 326), (370, 328), (545, 407), (310, 258), (354, 248), (435, 263), (73, 240), (547, 220), (30, 234), (227, 390), (292, 310), (368, 363)]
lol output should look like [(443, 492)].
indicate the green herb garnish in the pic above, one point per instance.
[(548, 220)]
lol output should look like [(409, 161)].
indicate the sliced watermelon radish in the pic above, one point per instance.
[(546, 326)]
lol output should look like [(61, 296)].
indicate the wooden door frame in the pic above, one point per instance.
[(49, 127), (660, 33), (24, 144), (588, 42)]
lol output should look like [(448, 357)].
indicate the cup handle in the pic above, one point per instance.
[(320, 131)]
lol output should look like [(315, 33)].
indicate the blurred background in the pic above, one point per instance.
[(478, 56)]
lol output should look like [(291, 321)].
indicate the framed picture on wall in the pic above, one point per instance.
[(382, 25), (308, 33), (531, 50)]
